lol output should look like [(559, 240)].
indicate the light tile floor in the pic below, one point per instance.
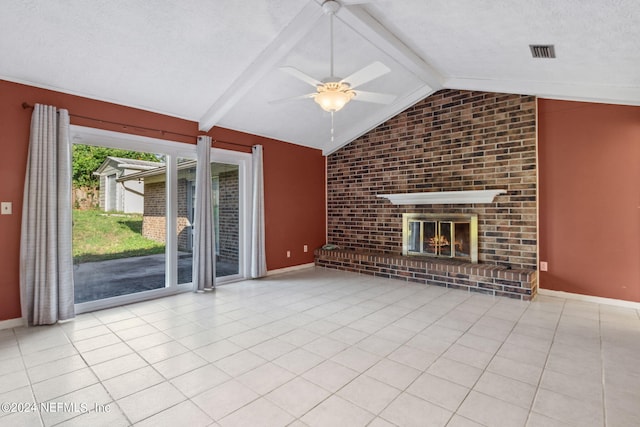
[(326, 348)]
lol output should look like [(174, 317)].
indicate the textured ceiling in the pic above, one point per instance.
[(218, 62)]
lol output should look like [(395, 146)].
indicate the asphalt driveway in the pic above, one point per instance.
[(104, 279)]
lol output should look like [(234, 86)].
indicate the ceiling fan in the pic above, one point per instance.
[(332, 93)]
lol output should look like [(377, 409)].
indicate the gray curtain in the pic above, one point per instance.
[(204, 257), (258, 257), (46, 263)]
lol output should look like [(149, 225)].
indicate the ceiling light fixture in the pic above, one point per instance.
[(332, 96)]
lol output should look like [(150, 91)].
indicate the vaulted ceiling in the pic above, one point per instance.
[(219, 62)]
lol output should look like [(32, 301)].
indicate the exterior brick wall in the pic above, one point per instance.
[(452, 140), (229, 216), (154, 222)]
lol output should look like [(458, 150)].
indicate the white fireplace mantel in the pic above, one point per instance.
[(443, 197)]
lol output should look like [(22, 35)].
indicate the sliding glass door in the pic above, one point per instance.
[(119, 222), (226, 197), (133, 216), (226, 215)]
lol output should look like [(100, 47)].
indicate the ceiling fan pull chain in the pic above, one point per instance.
[(332, 127)]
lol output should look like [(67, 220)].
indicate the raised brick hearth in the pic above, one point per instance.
[(482, 278)]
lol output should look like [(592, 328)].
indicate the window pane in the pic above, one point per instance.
[(119, 222), (226, 202)]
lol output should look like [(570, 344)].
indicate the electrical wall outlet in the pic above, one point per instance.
[(306, 248), (6, 208), (544, 266), (288, 254)]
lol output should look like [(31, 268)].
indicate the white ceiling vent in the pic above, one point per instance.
[(542, 50)]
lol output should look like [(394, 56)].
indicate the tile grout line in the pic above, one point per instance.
[(405, 390), (602, 367), (544, 367), (253, 305), (484, 370)]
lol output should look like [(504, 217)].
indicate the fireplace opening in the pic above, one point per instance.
[(440, 235)]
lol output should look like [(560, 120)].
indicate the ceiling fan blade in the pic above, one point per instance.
[(293, 98), (301, 76), (366, 74), (375, 97)]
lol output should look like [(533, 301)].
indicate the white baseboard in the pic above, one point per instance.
[(290, 269), (589, 298), (11, 323)]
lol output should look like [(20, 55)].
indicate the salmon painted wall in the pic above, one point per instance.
[(589, 165), (294, 177)]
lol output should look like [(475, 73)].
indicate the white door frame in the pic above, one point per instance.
[(244, 163)]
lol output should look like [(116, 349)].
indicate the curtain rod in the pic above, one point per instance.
[(26, 106)]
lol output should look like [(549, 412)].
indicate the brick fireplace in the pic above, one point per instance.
[(452, 141)]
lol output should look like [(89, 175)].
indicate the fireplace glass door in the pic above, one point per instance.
[(462, 242), (430, 231), (449, 236)]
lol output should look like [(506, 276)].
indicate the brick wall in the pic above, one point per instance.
[(154, 220), (229, 216), (452, 140), (479, 278)]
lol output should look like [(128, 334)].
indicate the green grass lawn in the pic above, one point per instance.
[(99, 236)]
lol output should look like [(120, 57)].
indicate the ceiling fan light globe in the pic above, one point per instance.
[(332, 97)]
